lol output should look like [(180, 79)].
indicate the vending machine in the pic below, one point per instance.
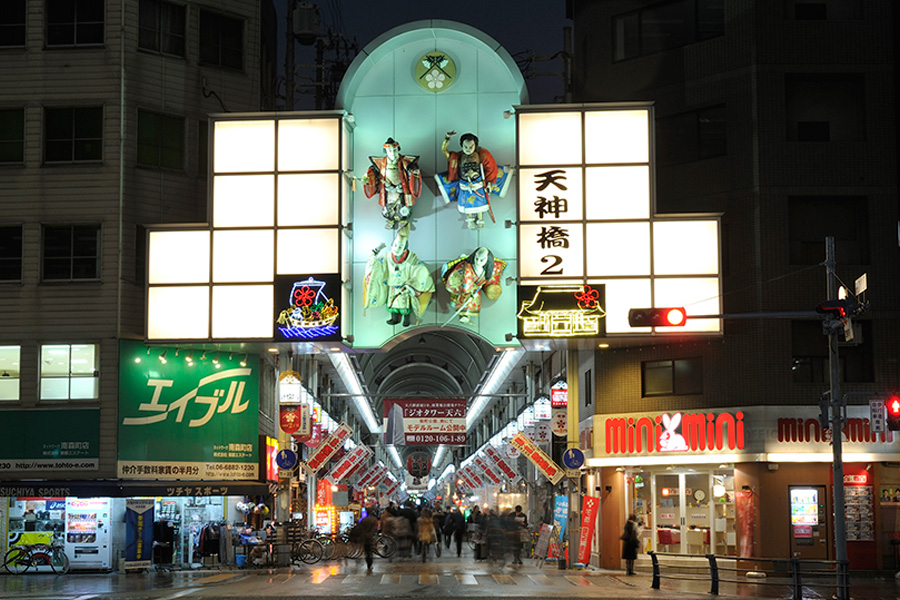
[(88, 543)]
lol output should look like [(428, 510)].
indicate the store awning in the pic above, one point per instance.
[(116, 488)]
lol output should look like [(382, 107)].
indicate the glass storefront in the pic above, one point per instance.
[(685, 510)]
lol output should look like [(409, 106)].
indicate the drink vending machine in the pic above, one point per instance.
[(87, 539)]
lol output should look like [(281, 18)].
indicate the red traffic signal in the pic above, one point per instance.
[(893, 413), (657, 317)]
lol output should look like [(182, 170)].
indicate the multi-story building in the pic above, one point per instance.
[(103, 129), (782, 117)]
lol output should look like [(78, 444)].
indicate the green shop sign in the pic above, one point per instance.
[(50, 439), (186, 419)]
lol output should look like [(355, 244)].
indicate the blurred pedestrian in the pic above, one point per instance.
[(367, 531), (455, 526), (630, 543)]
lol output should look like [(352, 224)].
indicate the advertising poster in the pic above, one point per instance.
[(425, 422), (138, 533), (538, 457), (327, 449), (186, 420), (42, 439), (588, 515), (561, 513)]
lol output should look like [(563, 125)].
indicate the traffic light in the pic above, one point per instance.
[(839, 309), (893, 413), (657, 317)]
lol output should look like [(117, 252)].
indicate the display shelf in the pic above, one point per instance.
[(725, 536)]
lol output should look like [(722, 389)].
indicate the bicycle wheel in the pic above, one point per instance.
[(310, 551), (17, 560), (59, 562), (385, 546)]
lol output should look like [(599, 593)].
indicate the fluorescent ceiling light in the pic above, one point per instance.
[(341, 363), (507, 362)]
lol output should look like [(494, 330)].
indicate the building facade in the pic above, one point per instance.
[(781, 116)]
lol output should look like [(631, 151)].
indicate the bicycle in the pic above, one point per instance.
[(22, 557), (385, 545)]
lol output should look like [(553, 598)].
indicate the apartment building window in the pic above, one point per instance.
[(11, 253), (672, 377), (666, 25), (809, 355), (69, 372), (221, 40), (691, 136), (161, 27), (12, 24), (9, 373), (160, 140), (75, 22), (71, 252), (73, 134), (823, 107), (12, 135), (813, 218)]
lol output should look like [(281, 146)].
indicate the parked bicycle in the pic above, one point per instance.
[(22, 557)]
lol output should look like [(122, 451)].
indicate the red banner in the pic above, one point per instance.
[(290, 418), (589, 508), (745, 506), (323, 453)]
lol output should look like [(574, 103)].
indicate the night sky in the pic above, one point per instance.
[(520, 26)]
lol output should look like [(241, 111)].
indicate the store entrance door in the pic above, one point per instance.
[(683, 515)]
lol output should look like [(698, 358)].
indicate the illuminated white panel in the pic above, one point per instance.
[(240, 256), (621, 296), (618, 249), (698, 295), (243, 146), (617, 193), (178, 313), (242, 311), (308, 199), (686, 248), (552, 196), (537, 259), (309, 144), (550, 138), (305, 251), (617, 136), (179, 257), (244, 201)]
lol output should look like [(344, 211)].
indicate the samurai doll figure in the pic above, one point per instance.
[(397, 278), (397, 181), (472, 176), (468, 277)]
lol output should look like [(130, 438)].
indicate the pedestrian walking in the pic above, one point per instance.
[(427, 536), (367, 531), (630, 542), (455, 527)]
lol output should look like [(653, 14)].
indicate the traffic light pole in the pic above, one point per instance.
[(840, 527)]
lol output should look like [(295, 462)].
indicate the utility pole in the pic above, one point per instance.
[(840, 527), (574, 520)]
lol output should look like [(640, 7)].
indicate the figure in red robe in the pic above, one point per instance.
[(397, 181)]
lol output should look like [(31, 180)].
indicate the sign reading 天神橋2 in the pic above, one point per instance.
[(48, 439), (186, 420), (586, 220), (425, 422)]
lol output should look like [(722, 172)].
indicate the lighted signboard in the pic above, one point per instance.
[(585, 214), (425, 422), (561, 311), (559, 394), (276, 204)]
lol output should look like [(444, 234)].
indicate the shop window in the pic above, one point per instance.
[(665, 26), (11, 253), (9, 372), (160, 140), (12, 135), (221, 40), (69, 372), (162, 27), (691, 136), (73, 134), (680, 377), (822, 107), (813, 218), (809, 352), (12, 24), (75, 22), (71, 252)]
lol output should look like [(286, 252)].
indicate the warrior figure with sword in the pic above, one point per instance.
[(472, 175), (467, 277)]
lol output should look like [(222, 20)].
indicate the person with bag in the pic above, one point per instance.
[(630, 542), (427, 536)]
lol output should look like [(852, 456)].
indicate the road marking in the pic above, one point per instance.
[(504, 579), (215, 578), (390, 579), (353, 579), (428, 579), (466, 580), (541, 579), (180, 594), (88, 597), (319, 576), (578, 580)]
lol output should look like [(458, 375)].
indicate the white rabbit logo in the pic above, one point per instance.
[(670, 440)]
